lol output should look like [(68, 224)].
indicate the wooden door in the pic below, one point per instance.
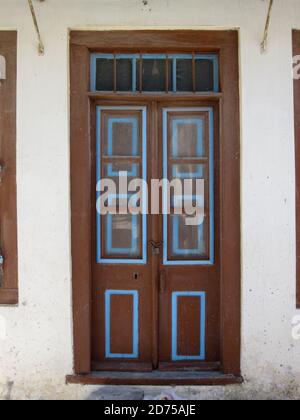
[(122, 271), (189, 274), (156, 291)]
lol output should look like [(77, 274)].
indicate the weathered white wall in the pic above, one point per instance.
[(36, 353)]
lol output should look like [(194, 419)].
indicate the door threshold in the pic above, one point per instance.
[(155, 378)]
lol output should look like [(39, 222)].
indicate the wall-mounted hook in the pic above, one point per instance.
[(264, 43), (37, 29)]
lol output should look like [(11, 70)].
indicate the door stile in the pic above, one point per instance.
[(154, 236)]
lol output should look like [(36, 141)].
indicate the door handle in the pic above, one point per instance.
[(162, 281)]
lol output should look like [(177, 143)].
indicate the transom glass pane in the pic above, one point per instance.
[(154, 74), (205, 76), (124, 75), (104, 74), (185, 75)]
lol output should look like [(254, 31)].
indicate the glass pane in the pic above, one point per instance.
[(112, 170), (184, 75), (154, 75), (118, 170), (104, 74), (187, 171), (186, 242), (123, 236), (204, 75), (187, 137), (124, 75), (123, 136)]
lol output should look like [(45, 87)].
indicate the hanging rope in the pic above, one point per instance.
[(35, 22), (266, 33)]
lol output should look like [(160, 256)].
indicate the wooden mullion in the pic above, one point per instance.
[(167, 73), (141, 74), (187, 161), (157, 96), (123, 158), (194, 72), (115, 73)]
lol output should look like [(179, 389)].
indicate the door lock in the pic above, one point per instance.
[(156, 246)]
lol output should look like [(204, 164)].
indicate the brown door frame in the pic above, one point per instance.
[(8, 185), (296, 52), (226, 44)]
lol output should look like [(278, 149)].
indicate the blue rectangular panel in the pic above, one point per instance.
[(202, 297), (135, 339)]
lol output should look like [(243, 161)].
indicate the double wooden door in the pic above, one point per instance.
[(156, 272)]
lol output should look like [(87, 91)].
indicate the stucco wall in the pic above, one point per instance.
[(36, 351)]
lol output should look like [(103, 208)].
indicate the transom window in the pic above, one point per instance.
[(154, 73)]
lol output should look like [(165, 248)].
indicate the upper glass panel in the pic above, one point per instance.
[(188, 156), (154, 73), (121, 156)]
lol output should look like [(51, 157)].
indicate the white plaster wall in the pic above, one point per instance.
[(36, 352)]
